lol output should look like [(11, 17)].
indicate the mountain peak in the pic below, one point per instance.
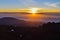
[(9, 18), (11, 21)]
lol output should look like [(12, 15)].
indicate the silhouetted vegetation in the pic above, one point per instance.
[(48, 31)]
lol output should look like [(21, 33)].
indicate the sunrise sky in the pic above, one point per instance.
[(23, 5)]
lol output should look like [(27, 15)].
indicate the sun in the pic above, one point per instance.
[(33, 10)]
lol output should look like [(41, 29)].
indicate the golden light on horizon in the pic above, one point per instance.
[(30, 10)]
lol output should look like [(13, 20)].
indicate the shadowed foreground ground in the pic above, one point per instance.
[(48, 31)]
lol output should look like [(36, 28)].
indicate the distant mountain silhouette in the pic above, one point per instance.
[(12, 21)]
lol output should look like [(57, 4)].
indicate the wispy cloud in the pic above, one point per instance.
[(33, 3), (29, 3), (55, 5)]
